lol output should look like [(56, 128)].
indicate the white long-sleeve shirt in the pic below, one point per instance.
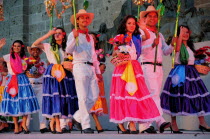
[(85, 51), (148, 52)]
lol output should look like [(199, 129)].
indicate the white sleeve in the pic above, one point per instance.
[(167, 49), (147, 47), (6, 58), (71, 43), (46, 47)]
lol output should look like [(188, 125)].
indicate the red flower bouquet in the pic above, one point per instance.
[(122, 43), (202, 60)]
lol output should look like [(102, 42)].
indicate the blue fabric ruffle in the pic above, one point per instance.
[(192, 98), (24, 103), (59, 98)]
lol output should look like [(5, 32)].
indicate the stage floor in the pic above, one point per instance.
[(107, 135)]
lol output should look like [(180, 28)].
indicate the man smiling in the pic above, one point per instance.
[(86, 68), (153, 79)]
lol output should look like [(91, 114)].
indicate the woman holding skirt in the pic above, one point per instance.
[(130, 100), (184, 92), (19, 98)]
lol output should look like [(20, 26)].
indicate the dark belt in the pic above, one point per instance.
[(158, 64), (89, 63), (36, 83)]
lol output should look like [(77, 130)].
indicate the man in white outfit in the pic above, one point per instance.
[(34, 72), (85, 70), (153, 79)]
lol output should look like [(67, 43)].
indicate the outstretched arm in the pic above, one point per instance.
[(142, 26), (39, 41), (179, 40), (2, 43)]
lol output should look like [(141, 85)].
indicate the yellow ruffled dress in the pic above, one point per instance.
[(100, 106)]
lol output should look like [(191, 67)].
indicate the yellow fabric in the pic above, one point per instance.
[(100, 106), (58, 72), (1, 93), (129, 76)]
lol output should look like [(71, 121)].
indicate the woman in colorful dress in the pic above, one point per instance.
[(59, 93), (184, 92), (3, 74), (130, 100), (19, 98)]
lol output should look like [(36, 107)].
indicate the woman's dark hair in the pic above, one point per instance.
[(189, 41), (22, 51), (101, 60), (97, 39), (122, 27), (102, 64), (54, 44), (4, 64)]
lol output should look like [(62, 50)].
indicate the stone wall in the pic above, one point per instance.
[(27, 20), (15, 24)]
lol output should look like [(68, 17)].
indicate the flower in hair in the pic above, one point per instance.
[(98, 35)]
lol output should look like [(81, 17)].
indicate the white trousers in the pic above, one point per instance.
[(38, 91), (64, 122), (87, 92), (154, 83)]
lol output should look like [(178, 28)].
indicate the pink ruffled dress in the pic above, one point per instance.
[(124, 107)]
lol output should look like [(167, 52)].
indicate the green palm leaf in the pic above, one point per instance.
[(161, 7), (85, 5)]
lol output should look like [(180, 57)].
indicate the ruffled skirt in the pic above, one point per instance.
[(59, 98), (139, 107), (24, 103), (100, 106), (192, 98), (1, 93), (2, 118)]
